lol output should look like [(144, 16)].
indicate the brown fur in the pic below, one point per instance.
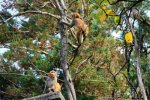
[(81, 27), (51, 82), (76, 15)]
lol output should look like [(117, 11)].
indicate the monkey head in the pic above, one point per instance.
[(76, 15), (52, 74)]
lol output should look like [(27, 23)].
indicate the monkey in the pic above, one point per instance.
[(51, 82), (80, 27)]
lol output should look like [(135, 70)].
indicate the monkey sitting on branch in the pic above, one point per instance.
[(51, 82)]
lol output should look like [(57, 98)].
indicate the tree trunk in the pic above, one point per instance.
[(60, 4), (139, 75), (64, 65), (138, 62), (138, 65)]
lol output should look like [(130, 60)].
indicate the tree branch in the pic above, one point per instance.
[(138, 61), (80, 64), (33, 12), (48, 96)]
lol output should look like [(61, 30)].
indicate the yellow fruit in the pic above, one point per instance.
[(129, 38), (110, 12)]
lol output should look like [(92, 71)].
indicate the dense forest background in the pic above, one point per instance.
[(112, 63)]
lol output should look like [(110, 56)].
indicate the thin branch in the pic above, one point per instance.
[(75, 53), (99, 64), (52, 2), (29, 49), (59, 7), (80, 64), (73, 33), (130, 83), (72, 3), (71, 44), (46, 3), (108, 68), (33, 12), (2, 92), (2, 73), (113, 3), (120, 69)]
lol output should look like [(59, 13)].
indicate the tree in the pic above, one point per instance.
[(106, 64)]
